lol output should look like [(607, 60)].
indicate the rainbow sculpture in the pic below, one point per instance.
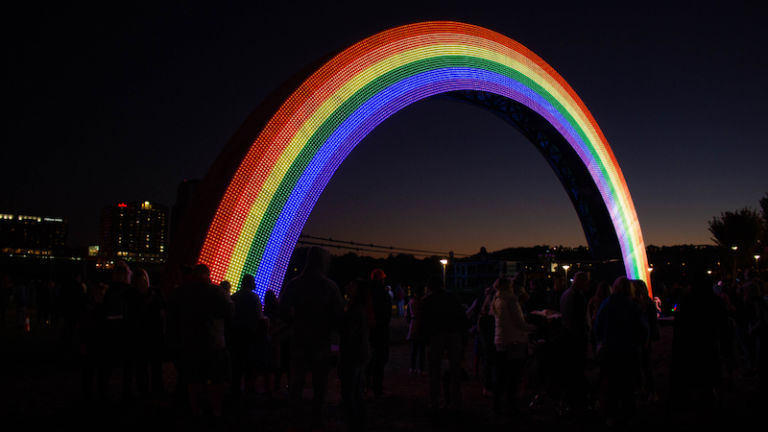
[(263, 210)]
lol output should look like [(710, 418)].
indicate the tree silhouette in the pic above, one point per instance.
[(764, 207), (742, 229)]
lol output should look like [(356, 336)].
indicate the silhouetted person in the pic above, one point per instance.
[(518, 286), (247, 344), (145, 326), (573, 310), (44, 297), (753, 322), (134, 367), (312, 306), (355, 352), (90, 336), (621, 333), (382, 310), (700, 320), (200, 309), (759, 328), (21, 301), (538, 292), (486, 328), (728, 339), (173, 335), (277, 364), (5, 297), (648, 312), (473, 313), (740, 316), (414, 335), (113, 328), (593, 306), (399, 298), (443, 326), (511, 341), (73, 302), (558, 287)]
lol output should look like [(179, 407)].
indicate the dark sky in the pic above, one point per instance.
[(107, 104)]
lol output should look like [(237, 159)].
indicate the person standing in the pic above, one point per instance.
[(112, 333), (443, 325), (21, 300), (486, 327), (91, 325), (145, 329), (575, 328), (382, 311), (248, 336), (355, 352), (312, 305), (696, 365), (5, 296), (200, 307), (511, 341), (648, 312), (277, 361), (414, 332), (593, 306), (399, 295), (621, 333)]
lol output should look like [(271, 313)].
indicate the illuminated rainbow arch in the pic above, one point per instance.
[(271, 191)]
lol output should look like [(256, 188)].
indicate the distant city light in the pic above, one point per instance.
[(444, 262)]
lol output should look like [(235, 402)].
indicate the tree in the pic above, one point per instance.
[(764, 206), (742, 229)]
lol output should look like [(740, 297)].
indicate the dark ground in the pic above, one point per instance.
[(40, 387)]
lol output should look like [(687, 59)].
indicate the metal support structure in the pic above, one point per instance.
[(568, 166)]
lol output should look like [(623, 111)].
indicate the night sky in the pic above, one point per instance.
[(107, 104)]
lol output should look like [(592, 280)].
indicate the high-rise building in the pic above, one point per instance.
[(31, 235), (135, 232)]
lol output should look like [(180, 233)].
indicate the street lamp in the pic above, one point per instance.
[(444, 262), (757, 264), (566, 267)]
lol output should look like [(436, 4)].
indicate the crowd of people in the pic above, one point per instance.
[(717, 328), (531, 338)]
